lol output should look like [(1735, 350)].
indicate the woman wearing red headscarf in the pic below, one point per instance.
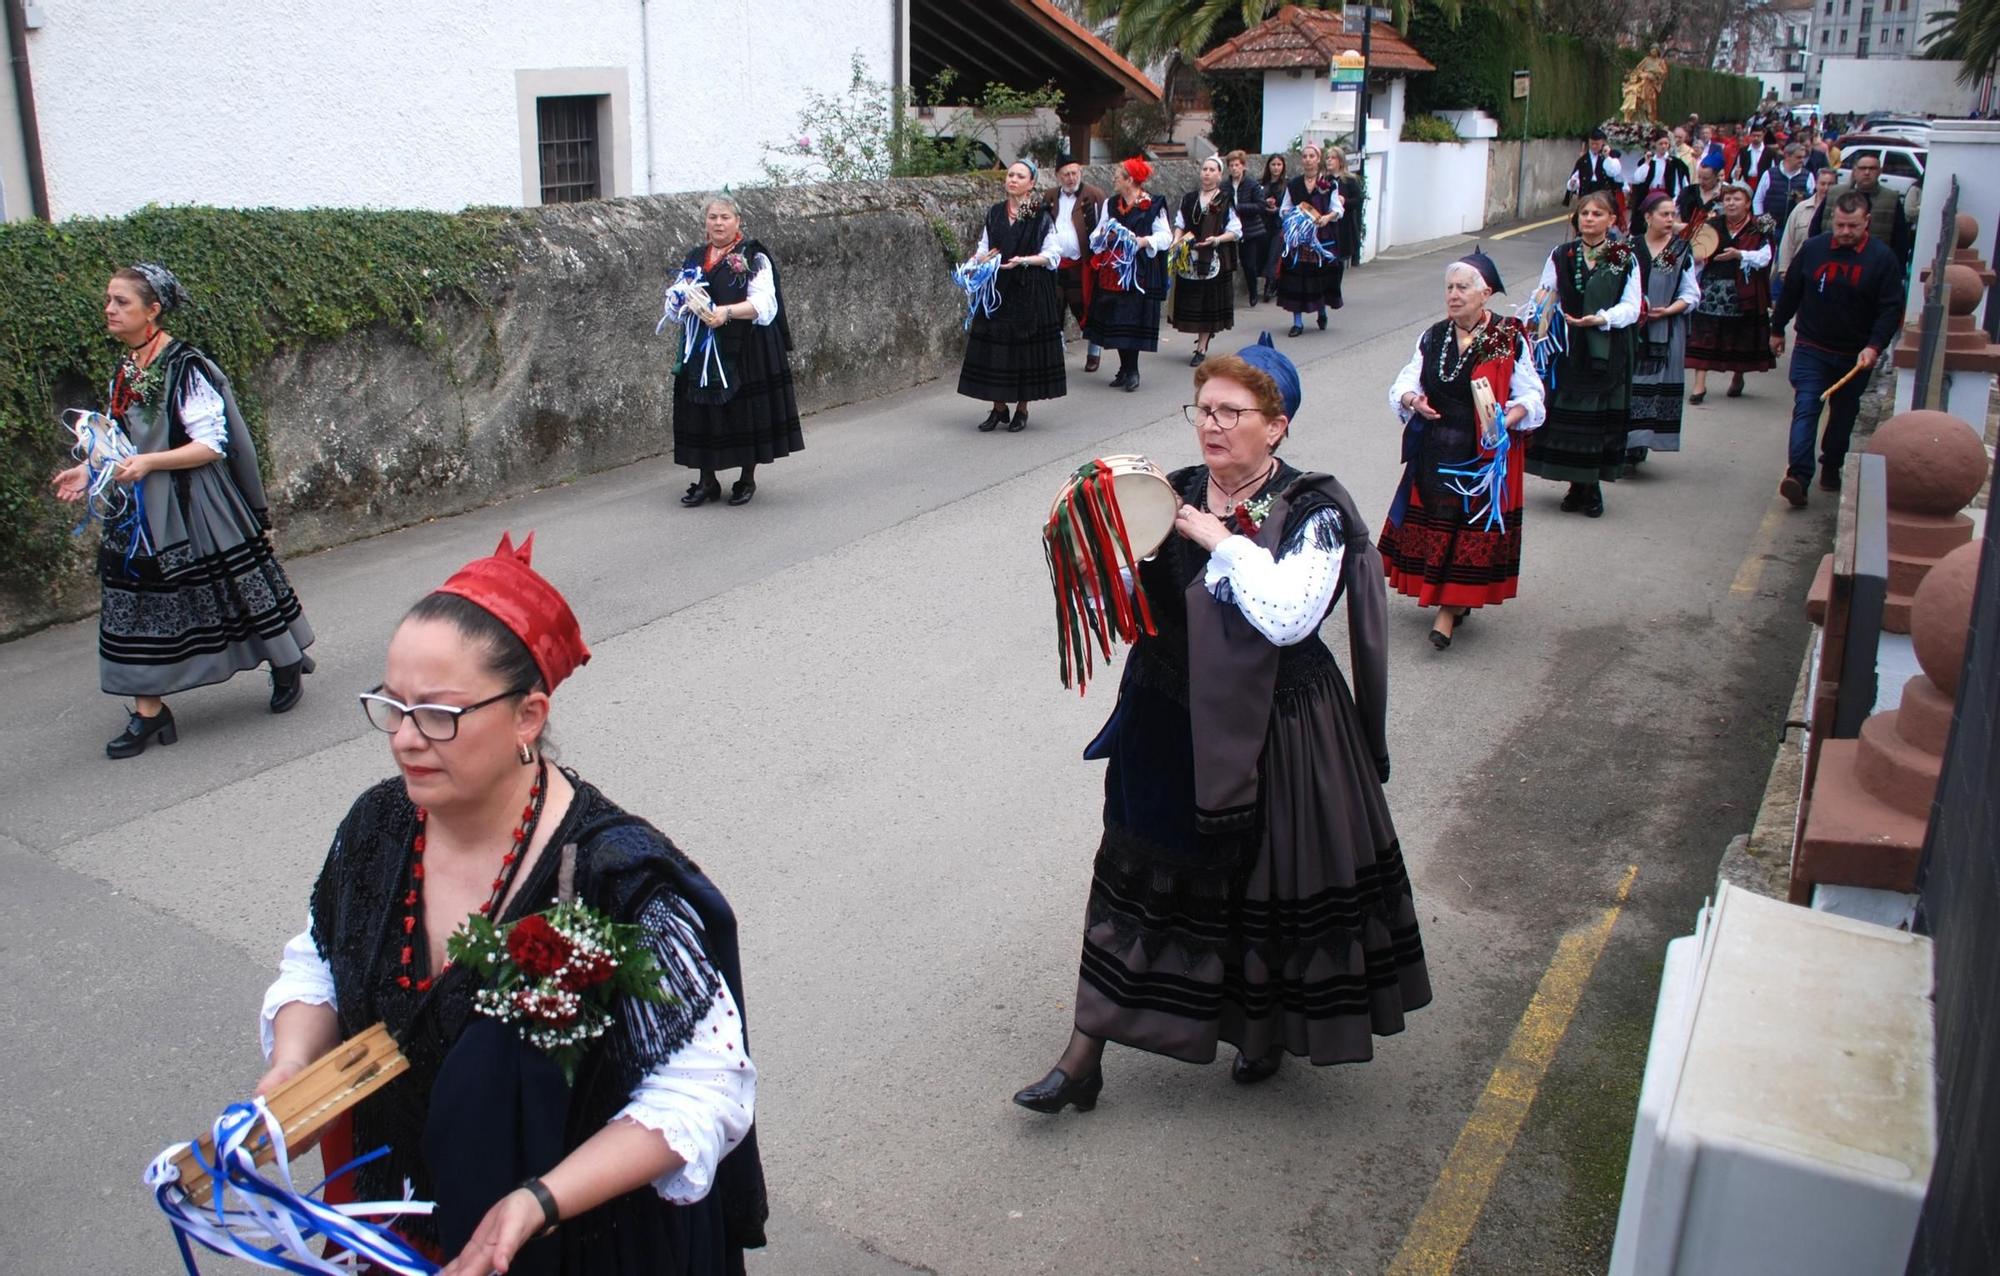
[(648, 1158), (1129, 279)]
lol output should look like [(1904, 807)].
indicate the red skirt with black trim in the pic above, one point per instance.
[(1442, 558)]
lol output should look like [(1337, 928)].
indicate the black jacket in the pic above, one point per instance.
[(1844, 298)]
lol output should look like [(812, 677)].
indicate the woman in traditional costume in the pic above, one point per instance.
[(192, 593), (1731, 328), (1594, 282), (647, 1160), (1131, 278), (1249, 887), (1305, 276), (1439, 546), (1015, 354), (1206, 231), (1671, 286), (745, 414)]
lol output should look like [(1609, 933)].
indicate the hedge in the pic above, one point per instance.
[(261, 280), (1577, 85)]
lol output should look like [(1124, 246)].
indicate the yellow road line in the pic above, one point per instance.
[(1751, 573), (1445, 1222), (1522, 230)]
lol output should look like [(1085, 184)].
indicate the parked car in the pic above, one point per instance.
[(1902, 160)]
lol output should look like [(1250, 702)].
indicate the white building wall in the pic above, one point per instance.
[(1289, 106), (386, 103)]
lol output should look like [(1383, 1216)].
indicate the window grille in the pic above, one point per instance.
[(566, 133)]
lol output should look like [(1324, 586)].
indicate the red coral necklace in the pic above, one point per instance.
[(510, 868)]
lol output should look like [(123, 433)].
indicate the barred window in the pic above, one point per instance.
[(567, 138)]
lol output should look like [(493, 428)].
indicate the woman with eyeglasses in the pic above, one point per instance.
[(648, 1160), (1248, 887)]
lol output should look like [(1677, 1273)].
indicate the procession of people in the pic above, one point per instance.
[(1248, 888)]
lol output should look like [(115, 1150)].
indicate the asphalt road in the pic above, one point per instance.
[(843, 701)]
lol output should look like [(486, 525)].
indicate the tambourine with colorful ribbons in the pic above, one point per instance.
[(1109, 515)]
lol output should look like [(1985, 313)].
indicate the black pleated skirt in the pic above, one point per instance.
[(760, 420), (1124, 320), (1205, 305), (1016, 354)]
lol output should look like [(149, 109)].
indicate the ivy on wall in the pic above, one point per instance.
[(1577, 85), (261, 280)]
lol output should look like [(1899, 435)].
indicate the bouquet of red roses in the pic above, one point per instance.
[(556, 975)]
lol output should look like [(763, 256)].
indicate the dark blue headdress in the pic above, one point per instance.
[(1264, 357), (1480, 262)]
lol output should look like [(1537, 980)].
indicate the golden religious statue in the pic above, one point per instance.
[(1642, 88)]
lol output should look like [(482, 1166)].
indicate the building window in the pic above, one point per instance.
[(1861, 47), (567, 143), (1829, 8), (1843, 39), (1846, 7), (1825, 38)]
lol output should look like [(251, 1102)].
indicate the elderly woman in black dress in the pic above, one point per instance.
[(1248, 887), (192, 593), (646, 1158), (747, 416), (1015, 355)]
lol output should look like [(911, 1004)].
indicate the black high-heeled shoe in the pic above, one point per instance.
[(1248, 1071), (140, 731), (1020, 421), (994, 419), (1056, 1091), (741, 491), (699, 493), (288, 684)]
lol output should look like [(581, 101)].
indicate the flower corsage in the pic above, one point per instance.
[(556, 975), (1250, 515)]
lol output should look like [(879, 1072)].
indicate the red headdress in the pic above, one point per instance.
[(528, 605), (1138, 169)]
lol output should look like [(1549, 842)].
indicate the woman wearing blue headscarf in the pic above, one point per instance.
[(1248, 886)]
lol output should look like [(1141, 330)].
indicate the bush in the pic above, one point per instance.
[(1428, 128), (1238, 103), (261, 281), (1130, 129), (1577, 85)]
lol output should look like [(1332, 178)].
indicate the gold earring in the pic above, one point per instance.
[(527, 756)]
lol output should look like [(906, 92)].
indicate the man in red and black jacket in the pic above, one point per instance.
[(1846, 290)]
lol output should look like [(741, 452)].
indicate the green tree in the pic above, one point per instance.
[(1968, 35), (1151, 29)]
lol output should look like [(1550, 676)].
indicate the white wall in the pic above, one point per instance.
[(387, 103), (1435, 189), (1288, 107), (1884, 84)]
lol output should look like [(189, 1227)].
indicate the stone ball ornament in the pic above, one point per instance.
[(1934, 462), (1967, 227), (1964, 288), (1941, 615)]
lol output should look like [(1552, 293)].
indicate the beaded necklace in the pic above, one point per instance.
[(510, 868), (1448, 350), (1584, 260)]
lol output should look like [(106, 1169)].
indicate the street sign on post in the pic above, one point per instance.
[(1348, 71), (1521, 83)]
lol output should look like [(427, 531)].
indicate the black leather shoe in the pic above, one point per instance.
[(1196, 359), (1573, 499), (1020, 421), (289, 683), (139, 732), (1056, 1091), (1248, 1071), (701, 494), (1322, 321), (1118, 381), (1297, 329), (1829, 480), (994, 419), (1131, 383), (1593, 501), (741, 491)]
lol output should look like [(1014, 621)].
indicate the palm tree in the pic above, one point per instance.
[(1150, 29), (1968, 35)]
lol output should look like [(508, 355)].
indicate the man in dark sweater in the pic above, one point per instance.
[(1846, 289)]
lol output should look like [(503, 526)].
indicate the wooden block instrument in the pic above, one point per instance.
[(309, 1102)]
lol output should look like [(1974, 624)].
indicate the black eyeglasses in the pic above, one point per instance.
[(1224, 415), (436, 722)]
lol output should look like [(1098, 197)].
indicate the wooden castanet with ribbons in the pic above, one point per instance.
[(1109, 515)]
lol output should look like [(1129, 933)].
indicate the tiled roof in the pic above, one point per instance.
[(1115, 66), (1296, 37)]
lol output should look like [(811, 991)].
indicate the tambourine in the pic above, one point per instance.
[(1110, 514), (1704, 242)]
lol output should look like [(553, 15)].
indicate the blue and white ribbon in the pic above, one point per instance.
[(686, 301), (1301, 235), (979, 280), (1116, 238), (1550, 346), (1487, 479), (102, 445), (258, 1215)]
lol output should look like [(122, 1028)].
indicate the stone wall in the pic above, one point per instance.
[(557, 371), (1549, 163)]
